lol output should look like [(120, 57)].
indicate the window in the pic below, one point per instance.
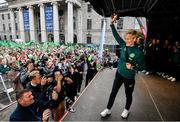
[(9, 26), (61, 24), (5, 38), (8, 16), (39, 25), (89, 38), (61, 12), (120, 23), (89, 24), (0, 38), (15, 15), (74, 23), (10, 37), (17, 36), (16, 25), (89, 8), (2, 16), (4, 27), (75, 38)]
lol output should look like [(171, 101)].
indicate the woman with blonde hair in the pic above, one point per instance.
[(131, 60)]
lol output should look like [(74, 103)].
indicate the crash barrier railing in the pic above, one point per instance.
[(7, 87)]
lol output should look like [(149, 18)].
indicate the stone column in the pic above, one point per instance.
[(56, 21), (31, 23), (13, 27), (21, 25), (70, 33), (79, 25), (43, 24)]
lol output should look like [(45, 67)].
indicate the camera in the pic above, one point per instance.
[(48, 95), (63, 69), (49, 89)]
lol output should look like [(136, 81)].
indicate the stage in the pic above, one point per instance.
[(154, 99)]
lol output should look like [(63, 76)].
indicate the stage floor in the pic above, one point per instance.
[(154, 99)]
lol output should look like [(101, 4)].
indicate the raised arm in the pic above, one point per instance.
[(114, 31)]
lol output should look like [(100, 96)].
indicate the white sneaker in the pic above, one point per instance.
[(72, 110), (147, 73), (170, 78), (143, 71), (105, 112), (173, 80), (125, 114)]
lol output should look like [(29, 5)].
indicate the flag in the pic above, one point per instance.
[(144, 31)]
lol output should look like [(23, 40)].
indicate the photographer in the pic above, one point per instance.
[(38, 86), (70, 89), (60, 102)]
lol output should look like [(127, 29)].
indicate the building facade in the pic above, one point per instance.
[(72, 21)]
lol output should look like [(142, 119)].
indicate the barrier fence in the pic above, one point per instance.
[(6, 91)]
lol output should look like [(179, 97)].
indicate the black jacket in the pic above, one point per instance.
[(25, 114)]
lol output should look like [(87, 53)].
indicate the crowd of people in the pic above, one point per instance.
[(163, 59), (47, 83)]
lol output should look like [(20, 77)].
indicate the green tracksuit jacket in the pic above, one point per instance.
[(135, 56)]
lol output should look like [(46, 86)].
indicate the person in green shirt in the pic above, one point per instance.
[(4, 68), (131, 60)]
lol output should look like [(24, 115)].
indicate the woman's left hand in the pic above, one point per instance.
[(129, 66)]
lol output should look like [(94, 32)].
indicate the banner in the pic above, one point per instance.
[(49, 18), (102, 38), (26, 20), (142, 27)]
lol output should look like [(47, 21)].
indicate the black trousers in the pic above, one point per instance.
[(129, 88)]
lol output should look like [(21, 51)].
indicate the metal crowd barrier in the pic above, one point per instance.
[(7, 86)]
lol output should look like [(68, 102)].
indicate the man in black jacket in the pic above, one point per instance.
[(37, 85), (25, 110)]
